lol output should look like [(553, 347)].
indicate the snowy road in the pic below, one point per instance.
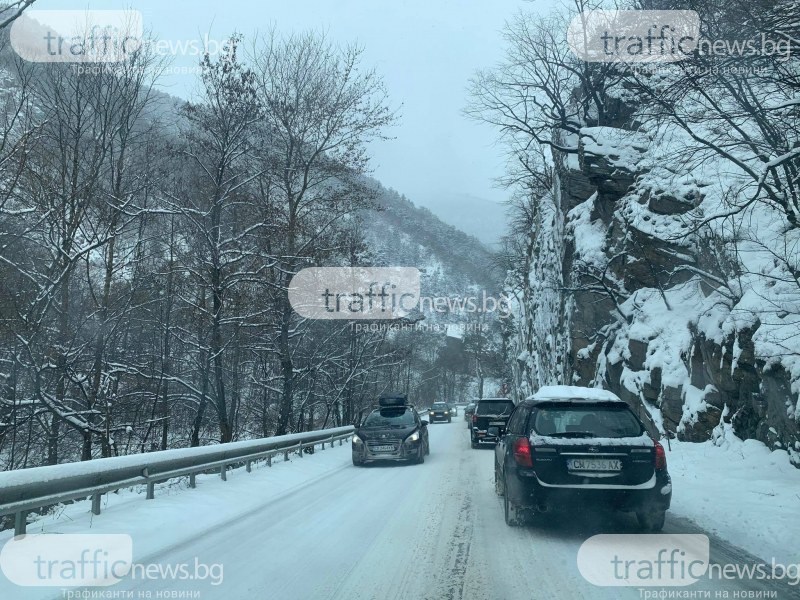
[(320, 528), (430, 531)]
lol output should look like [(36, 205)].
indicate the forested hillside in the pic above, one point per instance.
[(147, 244)]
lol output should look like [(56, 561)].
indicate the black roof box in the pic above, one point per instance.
[(393, 400)]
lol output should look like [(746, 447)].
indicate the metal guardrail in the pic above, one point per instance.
[(24, 490)]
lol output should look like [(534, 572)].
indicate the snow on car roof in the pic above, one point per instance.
[(571, 392)]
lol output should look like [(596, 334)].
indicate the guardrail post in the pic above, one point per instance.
[(192, 480), (96, 503), (340, 441), (249, 466), (151, 490), (20, 522), (301, 450), (286, 455), (269, 460), (223, 472)]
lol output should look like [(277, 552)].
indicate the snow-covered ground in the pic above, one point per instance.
[(740, 491), (320, 528)]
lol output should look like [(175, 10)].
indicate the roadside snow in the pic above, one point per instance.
[(178, 513), (741, 491)]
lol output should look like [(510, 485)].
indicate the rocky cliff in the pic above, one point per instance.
[(631, 288)]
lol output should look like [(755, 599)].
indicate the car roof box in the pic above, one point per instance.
[(393, 400)]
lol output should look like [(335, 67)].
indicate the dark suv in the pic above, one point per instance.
[(568, 447), (490, 412), (393, 431), (469, 410)]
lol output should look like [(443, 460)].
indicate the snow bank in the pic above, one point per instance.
[(740, 491)]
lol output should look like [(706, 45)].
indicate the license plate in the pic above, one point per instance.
[(383, 448), (594, 464), (500, 423)]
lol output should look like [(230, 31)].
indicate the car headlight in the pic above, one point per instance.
[(431, 413), (356, 439), (413, 437), (446, 412)]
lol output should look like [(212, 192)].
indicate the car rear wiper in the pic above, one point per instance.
[(575, 434)]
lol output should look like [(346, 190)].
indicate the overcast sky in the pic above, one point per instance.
[(425, 49)]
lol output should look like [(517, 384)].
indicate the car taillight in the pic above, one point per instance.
[(661, 457), (522, 452), (474, 418)]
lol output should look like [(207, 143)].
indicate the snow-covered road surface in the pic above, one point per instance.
[(385, 531)]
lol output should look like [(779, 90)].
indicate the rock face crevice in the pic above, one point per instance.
[(642, 302)]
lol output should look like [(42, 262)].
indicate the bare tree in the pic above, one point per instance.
[(220, 145), (12, 11), (321, 108)]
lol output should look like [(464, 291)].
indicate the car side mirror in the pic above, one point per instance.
[(424, 422), (493, 432)]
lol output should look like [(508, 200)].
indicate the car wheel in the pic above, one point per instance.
[(420, 456), (358, 463), (474, 444), (449, 420), (513, 515), (651, 520), (427, 448), (498, 485)]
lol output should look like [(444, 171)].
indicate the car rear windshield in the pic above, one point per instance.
[(498, 407), (390, 417), (586, 421)]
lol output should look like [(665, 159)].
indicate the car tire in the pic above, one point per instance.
[(427, 449), (651, 521), (358, 463), (498, 486), (474, 444), (449, 420), (420, 457)]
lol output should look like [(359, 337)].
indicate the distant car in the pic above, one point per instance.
[(453, 409), (469, 410), (578, 448), (393, 431), (440, 412), (489, 412)]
